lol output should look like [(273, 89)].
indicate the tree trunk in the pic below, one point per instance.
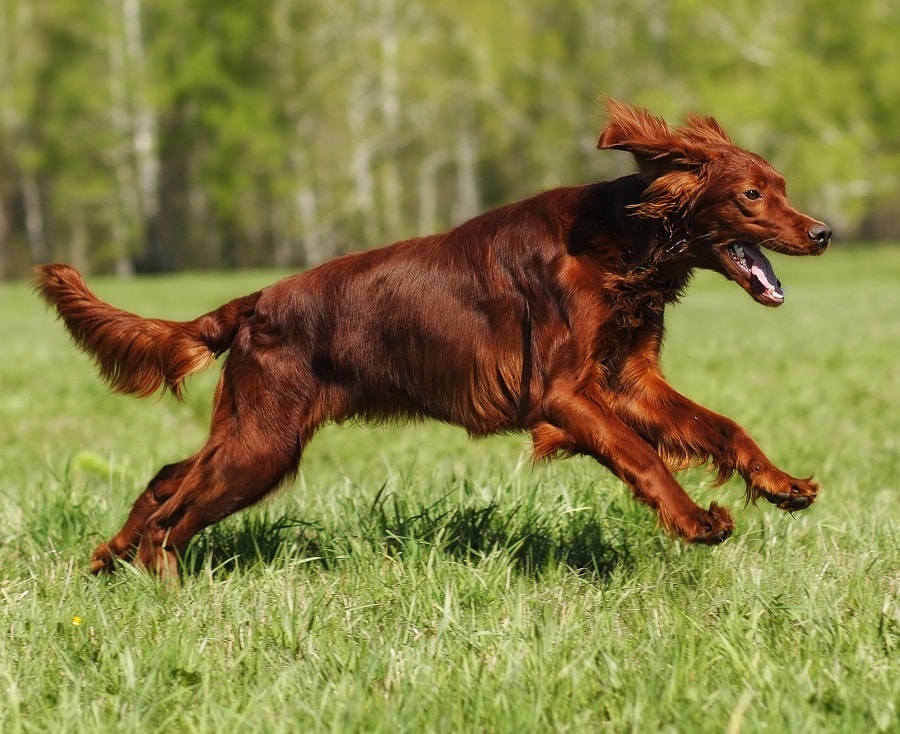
[(468, 196), (143, 130), (390, 106), (429, 192), (5, 232), (34, 218), (126, 222), (313, 245), (135, 159), (78, 239), (361, 165)]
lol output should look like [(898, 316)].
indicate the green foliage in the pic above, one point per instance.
[(414, 580), (161, 134)]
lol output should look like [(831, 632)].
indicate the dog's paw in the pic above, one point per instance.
[(103, 560), (716, 528), (710, 527), (796, 494)]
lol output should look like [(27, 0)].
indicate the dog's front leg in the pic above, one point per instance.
[(575, 424), (684, 431)]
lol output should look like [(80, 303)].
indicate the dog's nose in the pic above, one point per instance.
[(820, 234)]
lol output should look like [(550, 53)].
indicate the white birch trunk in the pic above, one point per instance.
[(428, 193), (78, 239), (143, 122), (126, 225), (16, 133), (5, 133), (136, 162), (468, 196), (390, 106), (313, 245), (361, 163), (34, 218)]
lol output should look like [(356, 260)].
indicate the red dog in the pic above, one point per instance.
[(543, 316)]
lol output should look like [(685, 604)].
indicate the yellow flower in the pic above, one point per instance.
[(76, 620)]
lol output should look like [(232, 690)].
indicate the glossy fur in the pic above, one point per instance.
[(543, 316)]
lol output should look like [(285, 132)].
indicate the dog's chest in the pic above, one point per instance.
[(627, 342), (641, 295)]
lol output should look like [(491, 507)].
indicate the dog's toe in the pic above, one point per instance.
[(719, 536), (102, 560), (717, 527), (791, 501)]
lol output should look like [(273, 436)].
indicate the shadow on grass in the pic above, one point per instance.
[(535, 539)]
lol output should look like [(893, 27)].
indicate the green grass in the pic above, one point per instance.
[(415, 581)]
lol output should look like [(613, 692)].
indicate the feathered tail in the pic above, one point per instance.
[(136, 356)]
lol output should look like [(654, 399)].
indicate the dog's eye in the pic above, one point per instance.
[(753, 194)]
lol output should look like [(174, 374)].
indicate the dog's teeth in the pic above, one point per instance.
[(739, 251)]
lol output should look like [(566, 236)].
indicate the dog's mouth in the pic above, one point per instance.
[(753, 272)]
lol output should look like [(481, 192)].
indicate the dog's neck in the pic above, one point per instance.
[(646, 263)]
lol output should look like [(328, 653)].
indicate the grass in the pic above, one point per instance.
[(416, 581)]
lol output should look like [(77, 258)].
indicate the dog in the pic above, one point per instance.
[(543, 316)]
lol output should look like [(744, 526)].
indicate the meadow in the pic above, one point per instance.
[(413, 580)]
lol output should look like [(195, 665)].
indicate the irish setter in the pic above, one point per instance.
[(543, 316)]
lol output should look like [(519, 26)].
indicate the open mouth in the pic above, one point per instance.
[(762, 283)]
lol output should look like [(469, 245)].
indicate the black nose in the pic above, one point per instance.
[(820, 234)]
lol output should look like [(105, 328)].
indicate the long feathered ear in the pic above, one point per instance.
[(704, 130), (673, 162), (656, 147)]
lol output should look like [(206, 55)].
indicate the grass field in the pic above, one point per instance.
[(416, 581)]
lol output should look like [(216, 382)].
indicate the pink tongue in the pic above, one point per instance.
[(761, 269)]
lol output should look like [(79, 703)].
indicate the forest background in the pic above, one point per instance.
[(151, 135)]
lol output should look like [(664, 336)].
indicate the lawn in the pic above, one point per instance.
[(415, 581)]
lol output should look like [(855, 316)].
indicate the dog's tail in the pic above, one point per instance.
[(136, 355)]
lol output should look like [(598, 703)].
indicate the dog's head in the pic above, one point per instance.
[(726, 202)]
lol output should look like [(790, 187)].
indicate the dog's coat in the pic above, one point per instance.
[(543, 316)]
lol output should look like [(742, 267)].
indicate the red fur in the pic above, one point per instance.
[(543, 316)]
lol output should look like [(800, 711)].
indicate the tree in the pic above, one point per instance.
[(157, 134)]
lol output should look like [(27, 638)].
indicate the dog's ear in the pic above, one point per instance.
[(704, 130), (673, 162), (671, 195), (657, 148)]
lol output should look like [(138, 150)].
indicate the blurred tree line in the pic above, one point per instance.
[(162, 134)]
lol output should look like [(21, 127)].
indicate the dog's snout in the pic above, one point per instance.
[(820, 234)]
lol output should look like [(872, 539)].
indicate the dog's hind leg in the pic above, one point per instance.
[(225, 479), (124, 543), (260, 424)]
